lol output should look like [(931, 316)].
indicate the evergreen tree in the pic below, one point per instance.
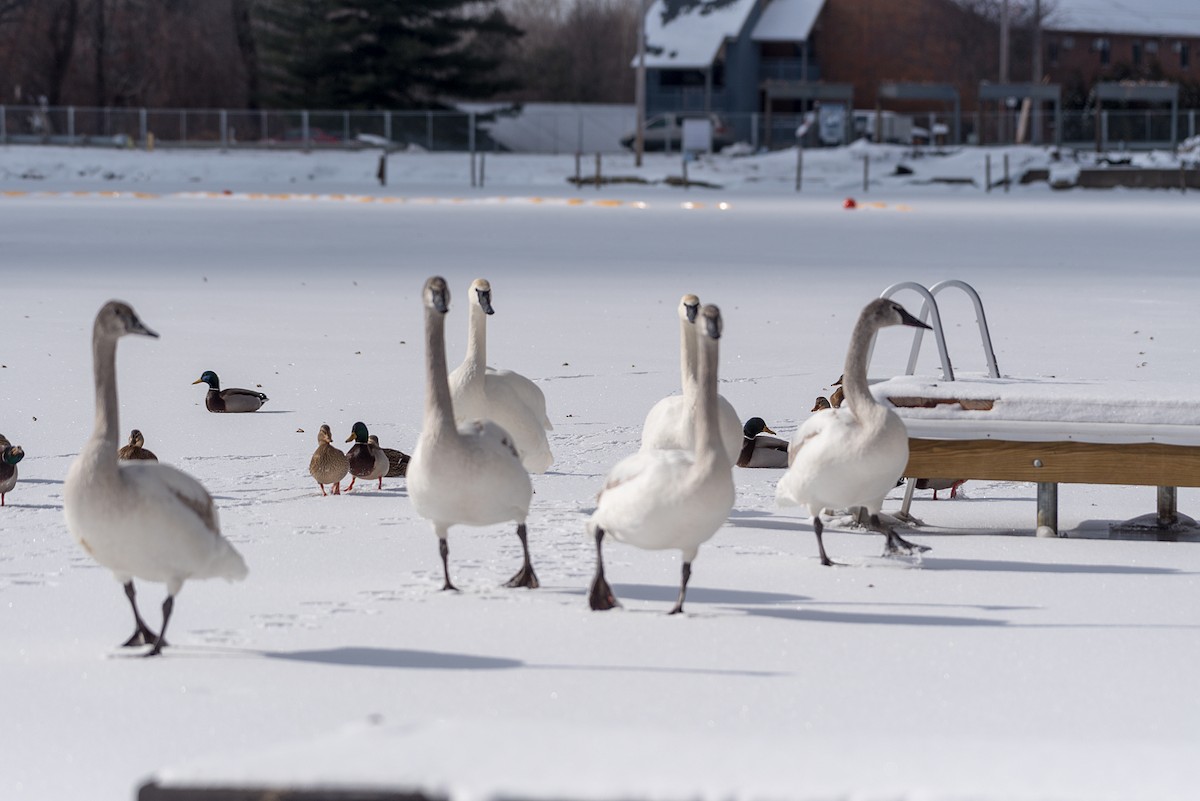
[(382, 53)]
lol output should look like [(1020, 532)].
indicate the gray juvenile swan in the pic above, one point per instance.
[(851, 456), (469, 474), (140, 519)]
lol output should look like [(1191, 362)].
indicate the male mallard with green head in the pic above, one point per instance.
[(9, 456), (229, 400), (365, 460), (328, 464), (759, 449)]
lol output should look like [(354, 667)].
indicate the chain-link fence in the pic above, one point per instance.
[(576, 129)]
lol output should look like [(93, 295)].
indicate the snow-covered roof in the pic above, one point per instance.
[(1139, 17), (686, 34), (787, 20)]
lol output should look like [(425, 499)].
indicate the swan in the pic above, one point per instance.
[(851, 456), (678, 498), (469, 474), (760, 450), (233, 399), (10, 455), (328, 464), (510, 399), (365, 460), (135, 449), (141, 519), (670, 422)]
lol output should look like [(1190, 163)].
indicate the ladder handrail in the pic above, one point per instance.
[(929, 307), (981, 318)]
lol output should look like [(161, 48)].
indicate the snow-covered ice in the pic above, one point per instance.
[(1000, 667)]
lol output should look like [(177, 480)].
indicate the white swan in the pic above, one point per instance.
[(660, 499), (510, 399), (470, 474), (670, 424), (851, 456), (141, 519)]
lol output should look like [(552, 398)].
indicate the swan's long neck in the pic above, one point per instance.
[(854, 376), (688, 358), (477, 340), (710, 451), (439, 409), (104, 362)]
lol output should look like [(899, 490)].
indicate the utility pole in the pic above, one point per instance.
[(1037, 76), (1003, 106), (640, 89)]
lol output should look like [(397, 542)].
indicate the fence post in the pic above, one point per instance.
[(471, 130), (799, 164), (754, 133), (142, 128), (429, 131), (578, 171), (987, 172), (305, 131), (866, 172), (685, 177), (473, 182), (1007, 181), (387, 127), (1104, 130), (597, 172), (3, 126), (71, 124), (482, 167), (224, 117)]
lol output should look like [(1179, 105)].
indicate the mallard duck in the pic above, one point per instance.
[(658, 499), (760, 450), (141, 519), (936, 484), (328, 465), (670, 423), (469, 474), (509, 399), (851, 457), (9, 456), (229, 400), (364, 459), (134, 450), (821, 404), (839, 394), (397, 460)]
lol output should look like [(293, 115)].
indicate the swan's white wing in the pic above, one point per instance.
[(811, 427), (187, 491), (529, 393), (491, 436)]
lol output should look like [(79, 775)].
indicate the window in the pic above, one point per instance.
[(1136, 51), (1104, 48), (1068, 43), (1184, 55), (1151, 48), (1052, 53)]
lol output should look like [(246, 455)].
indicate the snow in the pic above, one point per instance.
[(686, 34), (999, 667), (787, 20), (1144, 17)]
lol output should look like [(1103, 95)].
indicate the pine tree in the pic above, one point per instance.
[(364, 54)]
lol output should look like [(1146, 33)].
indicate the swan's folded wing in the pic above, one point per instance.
[(487, 430), (811, 428), (190, 493), (529, 393)]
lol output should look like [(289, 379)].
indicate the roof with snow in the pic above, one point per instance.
[(1138, 17), (687, 34), (787, 20)]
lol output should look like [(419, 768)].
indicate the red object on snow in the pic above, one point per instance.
[(849, 203), (227, 192)]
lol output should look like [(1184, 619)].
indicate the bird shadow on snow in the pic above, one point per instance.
[(361, 656), (823, 616), (10, 505), (700, 595), (989, 565), (41, 481)]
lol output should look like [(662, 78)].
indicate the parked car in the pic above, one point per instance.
[(665, 132)]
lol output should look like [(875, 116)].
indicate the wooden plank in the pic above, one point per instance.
[(916, 402), (1144, 464)]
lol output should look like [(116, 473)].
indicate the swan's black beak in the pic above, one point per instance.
[(908, 319), (136, 326), (485, 300), (692, 309), (712, 321)]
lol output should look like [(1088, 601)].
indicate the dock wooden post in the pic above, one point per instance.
[(1047, 505)]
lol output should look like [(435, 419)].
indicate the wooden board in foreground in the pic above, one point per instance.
[(1146, 464)]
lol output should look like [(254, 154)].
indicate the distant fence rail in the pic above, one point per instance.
[(560, 132)]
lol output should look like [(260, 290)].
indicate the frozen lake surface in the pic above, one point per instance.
[(1000, 667)]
